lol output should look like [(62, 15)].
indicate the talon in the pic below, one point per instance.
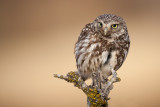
[(118, 79), (106, 79)]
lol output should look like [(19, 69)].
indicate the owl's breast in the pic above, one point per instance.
[(118, 50), (122, 48)]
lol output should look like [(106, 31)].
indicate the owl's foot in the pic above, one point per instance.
[(114, 75), (109, 83), (96, 80)]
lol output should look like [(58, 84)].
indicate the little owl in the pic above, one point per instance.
[(102, 46)]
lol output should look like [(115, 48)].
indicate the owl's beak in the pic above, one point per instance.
[(105, 30)]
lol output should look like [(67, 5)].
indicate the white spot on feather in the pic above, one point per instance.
[(93, 46), (104, 56), (86, 41), (93, 39), (85, 63), (85, 45), (80, 59), (125, 52), (82, 50)]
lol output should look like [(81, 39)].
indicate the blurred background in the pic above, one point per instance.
[(37, 40)]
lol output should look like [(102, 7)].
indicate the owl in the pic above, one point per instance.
[(102, 46)]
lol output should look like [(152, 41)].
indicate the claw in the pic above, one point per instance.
[(118, 79)]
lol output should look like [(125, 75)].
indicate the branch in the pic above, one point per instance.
[(96, 97)]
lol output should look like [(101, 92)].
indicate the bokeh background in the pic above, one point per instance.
[(37, 40)]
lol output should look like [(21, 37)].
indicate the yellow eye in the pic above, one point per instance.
[(100, 25), (114, 26)]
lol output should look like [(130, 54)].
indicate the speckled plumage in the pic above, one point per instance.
[(100, 47)]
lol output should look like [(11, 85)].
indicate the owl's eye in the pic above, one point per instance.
[(100, 24), (114, 26)]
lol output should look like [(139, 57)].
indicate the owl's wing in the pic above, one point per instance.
[(82, 38), (82, 51), (85, 31)]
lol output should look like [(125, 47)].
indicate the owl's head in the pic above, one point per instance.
[(110, 25)]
